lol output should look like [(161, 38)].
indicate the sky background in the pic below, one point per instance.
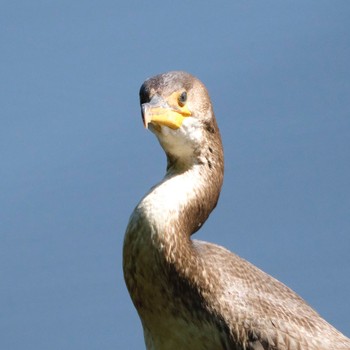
[(75, 158)]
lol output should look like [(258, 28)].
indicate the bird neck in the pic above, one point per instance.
[(157, 240), (180, 204)]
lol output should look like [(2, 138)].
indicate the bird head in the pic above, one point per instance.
[(176, 107)]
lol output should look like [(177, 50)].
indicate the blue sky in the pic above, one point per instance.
[(75, 158)]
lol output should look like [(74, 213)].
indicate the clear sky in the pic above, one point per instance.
[(75, 158)]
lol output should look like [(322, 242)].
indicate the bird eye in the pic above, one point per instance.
[(182, 98)]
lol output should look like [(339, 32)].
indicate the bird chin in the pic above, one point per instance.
[(155, 128), (161, 130)]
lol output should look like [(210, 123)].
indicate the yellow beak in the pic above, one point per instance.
[(158, 112)]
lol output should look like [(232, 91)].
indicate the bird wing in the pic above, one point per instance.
[(260, 311)]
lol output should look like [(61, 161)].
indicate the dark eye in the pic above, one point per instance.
[(183, 98)]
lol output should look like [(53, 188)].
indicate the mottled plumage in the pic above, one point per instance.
[(191, 294)]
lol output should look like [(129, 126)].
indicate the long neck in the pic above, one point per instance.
[(182, 202), (157, 243)]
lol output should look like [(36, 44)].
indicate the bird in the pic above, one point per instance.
[(191, 294)]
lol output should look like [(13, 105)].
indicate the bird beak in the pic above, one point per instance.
[(160, 112)]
